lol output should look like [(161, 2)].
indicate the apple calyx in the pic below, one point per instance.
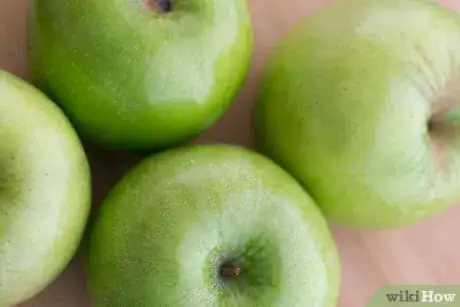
[(160, 6), (229, 270)]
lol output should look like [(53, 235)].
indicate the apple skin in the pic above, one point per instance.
[(132, 78), (346, 105), (45, 191), (167, 226)]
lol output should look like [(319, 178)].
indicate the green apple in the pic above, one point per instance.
[(140, 74), (211, 225), (44, 191), (361, 103)]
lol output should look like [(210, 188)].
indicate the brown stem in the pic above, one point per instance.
[(160, 6), (229, 271)]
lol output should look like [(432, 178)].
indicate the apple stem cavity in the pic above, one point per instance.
[(160, 6)]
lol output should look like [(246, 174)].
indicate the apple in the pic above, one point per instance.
[(44, 191), (140, 74), (361, 103), (210, 225)]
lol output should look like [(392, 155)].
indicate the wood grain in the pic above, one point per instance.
[(425, 253)]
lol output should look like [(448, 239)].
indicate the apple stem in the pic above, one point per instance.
[(228, 271), (164, 6), (160, 6)]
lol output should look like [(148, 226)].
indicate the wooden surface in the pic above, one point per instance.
[(425, 253)]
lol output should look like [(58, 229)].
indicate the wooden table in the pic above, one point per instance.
[(428, 253)]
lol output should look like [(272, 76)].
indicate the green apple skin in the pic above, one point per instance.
[(360, 103), (44, 191), (166, 229), (132, 78)]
